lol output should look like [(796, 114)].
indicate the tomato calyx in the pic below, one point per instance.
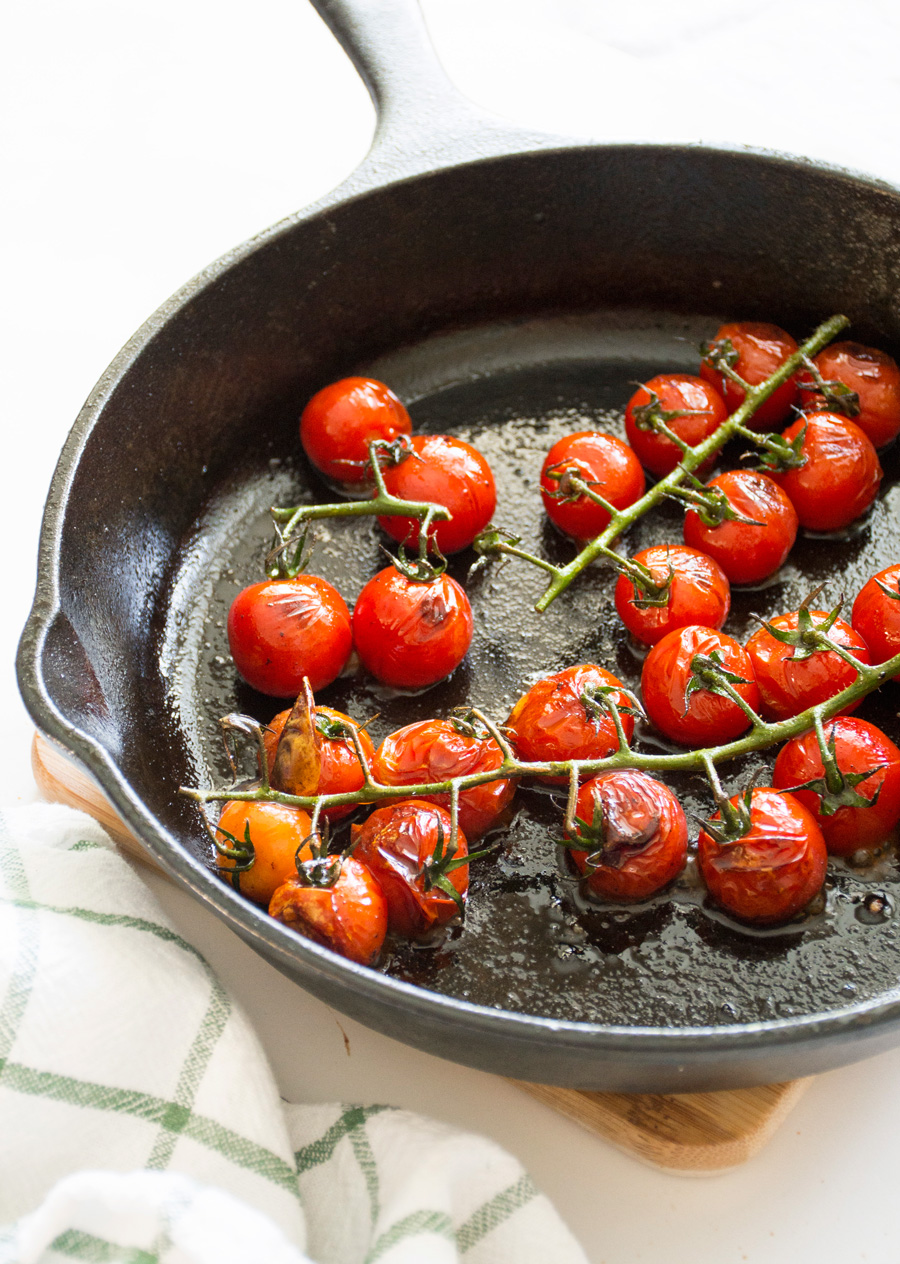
[(808, 638), (469, 723), (421, 569), (836, 788), (323, 868), (240, 851), (709, 673), (649, 593), (652, 416), (599, 701), (444, 860), (837, 397), (617, 838), (711, 505), (735, 818), (888, 592), (574, 481), (776, 454), (722, 356)]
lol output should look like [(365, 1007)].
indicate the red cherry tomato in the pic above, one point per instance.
[(777, 866), (339, 421), (447, 472), (760, 348), (411, 634), (747, 553), (406, 845), (277, 833), (284, 629), (703, 411), (789, 683), (340, 771), (438, 750), (699, 592), (841, 474), (875, 378), (560, 717), (876, 614), (636, 834), (348, 915), (692, 715), (606, 464), (859, 747)]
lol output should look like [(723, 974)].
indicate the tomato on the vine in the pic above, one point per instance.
[(340, 769), (444, 471), (857, 802), (276, 833), (634, 832), (337, 902), (747, 551), (281, 630), (438, 750), (874, 378), (683, 686), (772, 870), (411, 633), (876, 614), (563, 716), (605, 464), (754, 350), (689, 406), (793, 676), (840, 474), (690, 588), (340, 420)]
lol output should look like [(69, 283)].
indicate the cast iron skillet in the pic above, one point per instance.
[(510, 286)]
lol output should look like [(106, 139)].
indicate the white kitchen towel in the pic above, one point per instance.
[(139, 1121)]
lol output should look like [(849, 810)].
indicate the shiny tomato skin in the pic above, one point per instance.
[(761, 348), (604, 462), (773, 872), (876, 616), (394, 843), (858, 746), (675, 392), (841, 477), (705, 718), (874, 376), (435, 750), (276, 832), (340, 771), (349, 917), (635, 808), (411, 634), (747, 553), (699, 593), (448, 472), (340, 420), (281, 630), (787, 685), (551, 723)]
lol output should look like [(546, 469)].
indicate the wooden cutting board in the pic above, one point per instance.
[(689, 1133)]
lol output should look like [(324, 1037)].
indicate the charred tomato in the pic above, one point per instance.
[(340, 770), (335, 901)]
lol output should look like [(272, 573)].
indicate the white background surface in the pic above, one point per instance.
[(140, 141)]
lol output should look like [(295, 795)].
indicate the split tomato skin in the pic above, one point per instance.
[(277, 833), (644, 836), (704, 412), (445, 471), (340, 420), (875, 378), (349, 917), (747, 553), (760, 348), (410, 634), (551, 722), (858, 746), (789, 685), (703, 718), (771, 874), (607, 464), (281, 630), (876, 614), (841, 474), (340, 769), (436, 750), (699, 593)]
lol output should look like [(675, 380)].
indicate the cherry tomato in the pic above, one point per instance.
[(339, 421), (689, 712), (857, 811), (747, 552), (699, 592), (347, 914), (406, 845), (447, 472), (438, 750), (636, 833), (277, 833), (789, 682), (603, 462), (760, 348), (875, 378), (703, 411), (341, 771), (408, 633), (561, 717), (774, 869), (876, 614), (841, 474), (284, 629)]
